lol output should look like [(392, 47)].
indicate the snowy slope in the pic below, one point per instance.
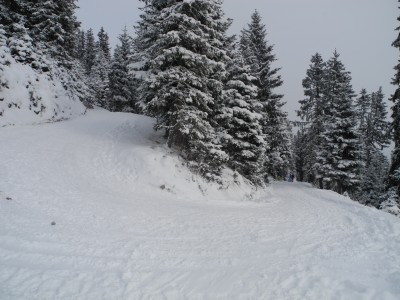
[(28, 96), (132, 223)]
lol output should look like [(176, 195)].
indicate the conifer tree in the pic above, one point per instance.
[(374, 179), (104, 43), (21, 44), (98, 78), (120, 83), (185, 83), (363, 106), (312, 111), (90, 51), (394, 173), (373, 127), (54, 23), (258, 54), (69, 23), (391, 202), (80, 46), (300, 146), (240, 117), (377, 124), (341, 152)]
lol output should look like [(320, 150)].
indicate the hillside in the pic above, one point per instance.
[(131, 222), (29, 95)]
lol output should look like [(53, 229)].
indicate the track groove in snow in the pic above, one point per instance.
[(118, 235)]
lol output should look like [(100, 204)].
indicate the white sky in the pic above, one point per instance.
[(361, 30)]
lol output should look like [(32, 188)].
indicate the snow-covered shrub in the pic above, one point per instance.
[(392, 203)]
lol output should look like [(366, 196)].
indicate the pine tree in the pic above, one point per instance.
[(69, 23), (391, 202), (341, 152), (98, 78), (394, 173), (90, 51), (185, 85), (374, 177), (98, 60), (80, 46), (104, 43), (240, 117), (312, 110), (259, 55), (375, 131), (54, 23), (379, 126), (373, 127), (363, 106), (21, 44), (120, 83), (147, 34), (300, 143)]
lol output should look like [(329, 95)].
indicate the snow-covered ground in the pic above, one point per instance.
[(132, 223), (29, 96)]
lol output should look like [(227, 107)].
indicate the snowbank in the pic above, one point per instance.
[(28, 96)]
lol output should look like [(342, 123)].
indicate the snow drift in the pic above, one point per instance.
[(98, 208), (31, 96)]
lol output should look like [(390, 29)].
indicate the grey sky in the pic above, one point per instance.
[(361, 30)]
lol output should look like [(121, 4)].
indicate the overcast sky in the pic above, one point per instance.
[(361, 30)]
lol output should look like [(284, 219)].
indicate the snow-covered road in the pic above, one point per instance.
[(133, 223)]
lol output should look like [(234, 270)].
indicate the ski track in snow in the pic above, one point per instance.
[(118, 235)]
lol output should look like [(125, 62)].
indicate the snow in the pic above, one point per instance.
[(131, 222), (28, 96)]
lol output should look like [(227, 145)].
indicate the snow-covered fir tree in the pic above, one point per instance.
[(147, 34), (363, 106), (374, 179), (340, 156), (377, 121), (258, 54), (55, 24), (394, 174), (373, 127), (21, 44), (391, 202), (312, 111), (185, 83), (300, 154), (80, 46), (98, 78), (95, 59), (120, 82), (90, 51), (241, 118), (104, 43)]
